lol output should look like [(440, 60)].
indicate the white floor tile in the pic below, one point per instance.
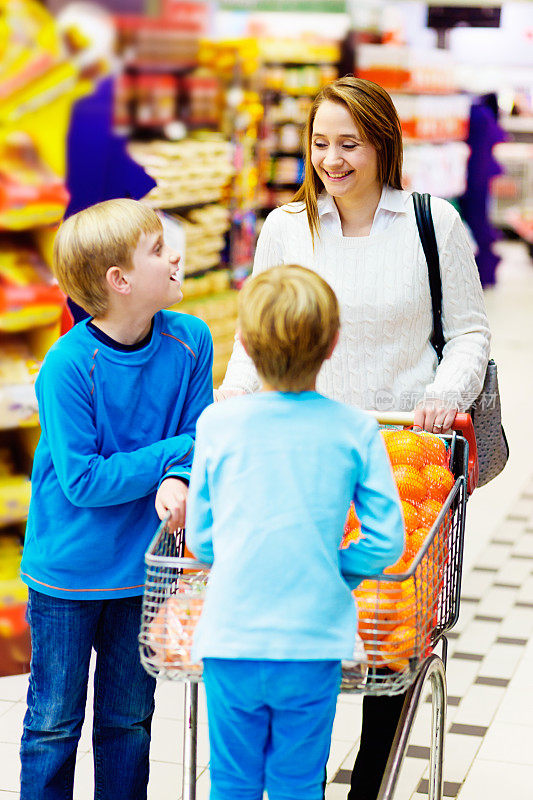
[(203, 786), (497, 602), (5, 705), (347, 724), (508, 742), (493, 556), (477, 637), (518, 622), (11, 723), (502, 660), (460, 675), (14, 687), (475, 584), (337, 754), (10, 772), (459, 752), (479, 705), (515, 571), (516, 706), (84, 777), (494, 780), (170, 700), (526, 590), (412, 771), (337, 791), (167, 741), (165, 781)]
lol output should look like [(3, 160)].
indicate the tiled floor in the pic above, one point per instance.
[(489, 741)]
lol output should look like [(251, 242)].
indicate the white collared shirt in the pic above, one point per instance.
[(391, 203)]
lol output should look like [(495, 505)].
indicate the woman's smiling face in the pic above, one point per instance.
[(344, 162)]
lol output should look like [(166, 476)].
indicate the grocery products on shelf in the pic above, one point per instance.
[(429, 117), (14, 632), (511, 204), (15, 490), (29, 295), (433, 112), (211, 298), (439, 169), (38, 85), (407, 69), (292, 72), (18, 371), (187, 172), (204, 230)]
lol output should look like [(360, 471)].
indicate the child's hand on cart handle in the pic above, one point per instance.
[(171, 501)]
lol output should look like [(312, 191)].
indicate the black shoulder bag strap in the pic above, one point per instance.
[(426, 230)]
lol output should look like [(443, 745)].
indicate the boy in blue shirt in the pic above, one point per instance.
[(272, 479), (119, 396)]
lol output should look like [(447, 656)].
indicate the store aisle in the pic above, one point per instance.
[(489, 745)]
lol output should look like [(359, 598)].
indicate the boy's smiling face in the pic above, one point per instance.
[(154, 273)]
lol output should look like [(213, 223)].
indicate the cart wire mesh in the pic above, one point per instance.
[(401, 616)]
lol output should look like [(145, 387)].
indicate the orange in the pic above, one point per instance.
[(388, 589), (411, 519), (410, 482), (428, 511), (348, 538), (398, 647), (352, 520), (402, 565), (352, 528), (376, 617), (434, 449), (439, 481), (415, 541), (405, 447)]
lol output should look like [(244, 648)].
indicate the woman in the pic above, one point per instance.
[(352, 223)]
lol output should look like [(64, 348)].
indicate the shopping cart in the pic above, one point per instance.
[(425, 599)]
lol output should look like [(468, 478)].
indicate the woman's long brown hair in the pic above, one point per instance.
[(376, 118)]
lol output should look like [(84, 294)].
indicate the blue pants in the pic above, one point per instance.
[(63, 632), (269, 727)]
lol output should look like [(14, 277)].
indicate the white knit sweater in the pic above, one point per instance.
[(384, 359)]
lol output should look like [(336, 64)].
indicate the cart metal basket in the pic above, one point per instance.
[(421, 603)]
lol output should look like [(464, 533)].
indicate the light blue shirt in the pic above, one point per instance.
[(272, 479)]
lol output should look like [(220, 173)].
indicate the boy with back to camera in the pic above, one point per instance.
[(119, 396), (272, 479)]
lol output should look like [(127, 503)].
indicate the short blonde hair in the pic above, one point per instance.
[(288, 318), (91, 241)]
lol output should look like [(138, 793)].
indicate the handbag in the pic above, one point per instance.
[(492, 446)]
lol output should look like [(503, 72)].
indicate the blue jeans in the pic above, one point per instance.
[(269, 727), (63, 633)]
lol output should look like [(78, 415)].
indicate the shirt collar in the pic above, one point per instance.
[(390, 200)]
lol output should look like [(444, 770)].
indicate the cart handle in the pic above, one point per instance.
[(462, 423)]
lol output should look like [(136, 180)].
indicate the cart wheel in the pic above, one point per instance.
[(432, 669)]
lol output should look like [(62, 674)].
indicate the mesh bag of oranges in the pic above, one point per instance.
[(169, 634), (398, 616)]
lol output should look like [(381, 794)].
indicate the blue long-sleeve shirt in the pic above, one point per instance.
[(114, 424), (272, 478)]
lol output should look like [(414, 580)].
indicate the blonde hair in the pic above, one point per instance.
[(376, 118), (91, 241), (288, 318)]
